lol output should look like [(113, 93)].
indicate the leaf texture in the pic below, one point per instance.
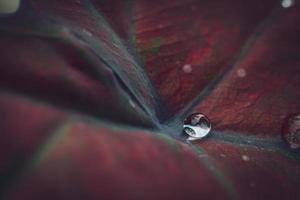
[(93, 94)]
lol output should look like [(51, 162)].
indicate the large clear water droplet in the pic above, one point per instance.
[(196, 126), (291, 131)]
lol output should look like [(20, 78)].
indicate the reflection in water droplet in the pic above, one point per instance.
[(9, 6), (291, 131), (189, 131), (187, 68), (287, 3), (196, 126)]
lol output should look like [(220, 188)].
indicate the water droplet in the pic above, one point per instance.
[(241, 73), (223, 155), (245, 158), (291, 131), (187, 68), (196, 126), (87, 32), (132, 104), (9, 6), (287, 3)]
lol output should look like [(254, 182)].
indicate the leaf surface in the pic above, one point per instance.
[(94, 93)]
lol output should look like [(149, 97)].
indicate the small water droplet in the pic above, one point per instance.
[(132, 104), (287, 3), (223, 155), (291, 131), (9, 6), (196, 126), (187, 68), (87, 32), (245, 158), (241, 73)]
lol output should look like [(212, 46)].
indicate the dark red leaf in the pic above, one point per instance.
[(256, 172), (262, 89), (82, 82), (85, 160), (55, 72), (90, 24), (186, 44), (25, 125)]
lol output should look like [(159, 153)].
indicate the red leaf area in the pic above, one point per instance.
[(204, 35), (87, 88)]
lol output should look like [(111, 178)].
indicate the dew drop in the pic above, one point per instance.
[(87, 32), (187, 68), (9, 6), (132, 104), (291, 131), (287, 3), (196, 126), (245, 158), (241, 73), (223, 155)]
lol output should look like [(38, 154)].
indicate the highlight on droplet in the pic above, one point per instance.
[(9, 6), (287, 3), (245, 158)]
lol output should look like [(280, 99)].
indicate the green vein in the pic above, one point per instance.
[(58, 33), (24, 166), (102, 22), (46, 148)]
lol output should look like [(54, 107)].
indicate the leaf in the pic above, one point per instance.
[(94, 93), (205, 36), (91, 161), (256, 171), (107, 45), (262, 88)]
